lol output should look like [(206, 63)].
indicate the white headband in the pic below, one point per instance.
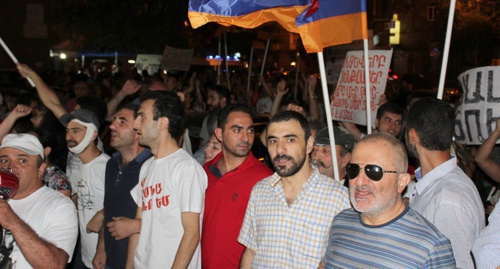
[(86, 140)]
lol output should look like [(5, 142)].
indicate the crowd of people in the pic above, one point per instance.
[(160, 171)]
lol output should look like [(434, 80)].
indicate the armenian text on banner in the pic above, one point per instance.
[(479, 108), (349, 99), (177, 59)]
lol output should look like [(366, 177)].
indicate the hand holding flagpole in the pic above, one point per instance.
[(14, 59)]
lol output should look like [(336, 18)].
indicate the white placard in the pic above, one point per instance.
[(149, 62), (349, 99), (480, 105)]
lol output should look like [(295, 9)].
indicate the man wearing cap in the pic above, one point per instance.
[(39, 225), (81, 134), (381, 231), (321, 154)]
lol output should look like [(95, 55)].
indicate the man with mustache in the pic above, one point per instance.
[(381, 231), (38, 226), (290, 212), (231, 177), (321, 154)]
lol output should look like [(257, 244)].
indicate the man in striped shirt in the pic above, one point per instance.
[(382, 231)]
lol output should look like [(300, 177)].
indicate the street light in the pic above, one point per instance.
[(394, 30)]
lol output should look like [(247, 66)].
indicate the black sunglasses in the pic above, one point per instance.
[(372, 171)]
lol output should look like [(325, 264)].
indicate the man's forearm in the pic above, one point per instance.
[(247, 258), (38, 252), (186, 249)]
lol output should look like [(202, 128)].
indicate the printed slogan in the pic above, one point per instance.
[(349, 98), (479, 108)]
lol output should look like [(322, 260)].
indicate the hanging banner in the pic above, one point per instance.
[(177, 59), (349, 99), (479, 108)]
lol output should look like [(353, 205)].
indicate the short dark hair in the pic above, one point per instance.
[(224, 113), (129, 106), (434, 122), (390, 107), (222, 92), (167, 104), (287, 115)]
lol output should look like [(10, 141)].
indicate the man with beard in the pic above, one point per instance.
[(443, 193), (289, 213), (81, 138), (382, 231), (231, 177), (171, 191), (322, 155), (122, 175)]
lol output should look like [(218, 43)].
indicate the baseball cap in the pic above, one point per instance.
[(24, 142), (83, 115), (342, 138)]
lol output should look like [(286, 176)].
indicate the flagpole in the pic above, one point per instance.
[(218, 66), (446, 51), (227, 63), (367, 86), (297, 66), (326, 99), (250, 71), (264, 60)]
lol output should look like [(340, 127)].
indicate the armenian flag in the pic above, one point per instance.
[(332, 22), (246, 13), (320, 23)]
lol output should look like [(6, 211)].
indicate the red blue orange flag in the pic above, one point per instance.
[(332, 22), (246, 13), (320, 23)]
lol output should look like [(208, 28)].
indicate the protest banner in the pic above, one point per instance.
[(479, 108), (149, 62), (349, 99), (177, 59)]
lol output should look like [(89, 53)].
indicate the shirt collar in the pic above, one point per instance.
[(434, 174)]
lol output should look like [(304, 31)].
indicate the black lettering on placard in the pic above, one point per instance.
[(490, 120), (475, 113), (491, 98), (476, 95), (459, 131)]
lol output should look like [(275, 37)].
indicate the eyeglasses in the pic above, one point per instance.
[(372, 171)]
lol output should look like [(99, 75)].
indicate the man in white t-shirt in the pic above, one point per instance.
[(39, 225), (81, 136), (171, 190)]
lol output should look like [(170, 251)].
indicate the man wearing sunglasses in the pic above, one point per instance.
[(382, 231), (289, 213), (443, 194)]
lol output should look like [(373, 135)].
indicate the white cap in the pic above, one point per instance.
[(24, 142)]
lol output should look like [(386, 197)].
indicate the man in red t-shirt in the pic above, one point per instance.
[(231, 177)]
